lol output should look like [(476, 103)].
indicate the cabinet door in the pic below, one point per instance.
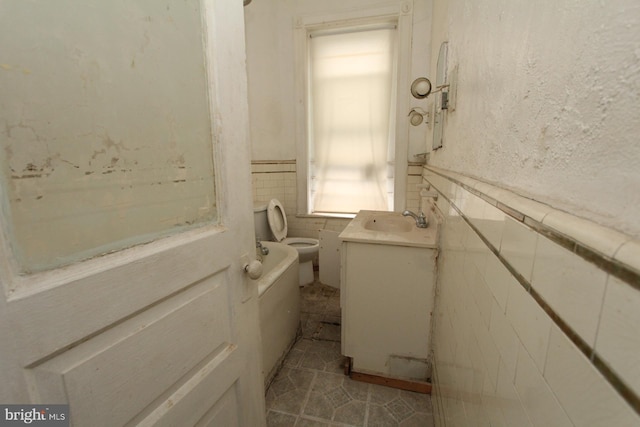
[(388, 297)]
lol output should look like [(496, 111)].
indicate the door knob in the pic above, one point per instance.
[(253, 269)]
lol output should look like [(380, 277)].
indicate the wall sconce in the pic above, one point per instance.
[(417, 116), (421, 88)]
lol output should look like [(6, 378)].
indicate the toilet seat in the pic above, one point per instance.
[(277, 219), (307, 248), (300, 242)]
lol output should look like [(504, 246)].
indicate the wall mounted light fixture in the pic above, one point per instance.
[(417, 116)]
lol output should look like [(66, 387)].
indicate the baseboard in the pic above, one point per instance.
[(409, 385)]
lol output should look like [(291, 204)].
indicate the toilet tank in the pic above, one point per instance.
[(260, 221)]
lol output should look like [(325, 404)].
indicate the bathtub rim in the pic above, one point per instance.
[(268, 278)]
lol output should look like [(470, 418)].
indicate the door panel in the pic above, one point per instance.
[(163, 328), (79, 302), (135, 362), (211, 390), (224, 413)]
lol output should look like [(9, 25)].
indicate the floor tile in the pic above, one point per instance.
[(379, 416), (278, 419), (352, 413), (318, 405), (382, 395), (399, 409), (418, 420), (307, 422)]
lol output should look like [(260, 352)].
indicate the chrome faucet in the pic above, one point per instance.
[(421, 220), (263, 249)]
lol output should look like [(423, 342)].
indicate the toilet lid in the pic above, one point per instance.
[(277, 219)]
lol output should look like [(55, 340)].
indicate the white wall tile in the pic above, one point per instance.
[(460, 197), (471, 205), (472, 398), (479, 368), (337, 224), (469, 268), (499, 280), (618, 341), (453, 232), (459, 330), (413, 180), (584, 394), (414, 170), (455, 411), (511, 351), (573, 287), (434, 180), (464, 372), (443, 205), (491, 403), (482, 297), (509, 400), (476, 249), (538, 400), (506, 340), (462, 317), (530, 322), (444, 341), (443, 185), (518, 246), (488, 350), (492, 224), (438, 414)]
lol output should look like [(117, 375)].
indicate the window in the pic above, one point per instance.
[(351, 119), (352, 132)]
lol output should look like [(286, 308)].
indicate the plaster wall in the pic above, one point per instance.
[(547, 102), (271, 66)]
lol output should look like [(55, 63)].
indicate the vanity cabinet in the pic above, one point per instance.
[(387, 299)]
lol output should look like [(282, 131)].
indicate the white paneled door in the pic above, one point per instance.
[(126, 213)]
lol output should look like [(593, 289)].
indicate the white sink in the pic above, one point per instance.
[(389, 228), (389, 224)]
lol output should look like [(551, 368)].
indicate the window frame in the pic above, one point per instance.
[(400, 15)]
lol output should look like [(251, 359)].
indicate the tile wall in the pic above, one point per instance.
[(537, 318), (277, 179)]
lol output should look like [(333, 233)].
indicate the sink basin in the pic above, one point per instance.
[(389, 228), (388, 224)]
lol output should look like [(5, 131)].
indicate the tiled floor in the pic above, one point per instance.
[(312, 390)]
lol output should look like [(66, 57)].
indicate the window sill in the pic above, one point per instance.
[(327, 215)]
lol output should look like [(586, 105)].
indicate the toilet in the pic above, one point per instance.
[(271, 224)]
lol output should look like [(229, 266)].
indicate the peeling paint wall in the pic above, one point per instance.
[(104, 126), (548, 101)]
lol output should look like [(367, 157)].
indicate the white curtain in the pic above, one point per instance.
[(351, 121)]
